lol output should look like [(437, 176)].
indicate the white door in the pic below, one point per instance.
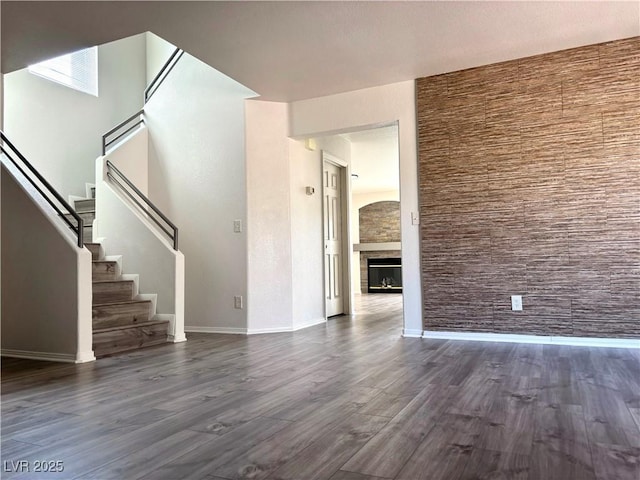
[(332, 197)]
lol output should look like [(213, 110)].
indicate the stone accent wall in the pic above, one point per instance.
[(529, 183), (380, 222)]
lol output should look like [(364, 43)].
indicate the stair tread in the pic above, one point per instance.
[(123, 302), (112, 281), (134, 325), (84, 211), (120, 323)]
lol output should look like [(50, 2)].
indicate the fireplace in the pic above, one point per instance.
[(385, 275)]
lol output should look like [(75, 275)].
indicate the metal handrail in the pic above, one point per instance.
[(173, 235), (162, 74), (78, 229), (148, 92), (106, 142)]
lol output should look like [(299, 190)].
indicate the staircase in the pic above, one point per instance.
[(122, 319)]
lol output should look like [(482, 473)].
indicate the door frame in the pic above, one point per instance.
[(345, 175)]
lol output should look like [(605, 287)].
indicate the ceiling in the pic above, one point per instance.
[(289, 51)]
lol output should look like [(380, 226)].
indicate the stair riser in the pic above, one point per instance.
[(119, 323), (119, 315), (87, 234), (84, 205), (114, 341), (104, 270), (120, 291), (87, 217), (96, 250)]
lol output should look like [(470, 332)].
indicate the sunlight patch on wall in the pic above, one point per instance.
[(77, 70)]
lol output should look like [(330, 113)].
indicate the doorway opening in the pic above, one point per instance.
[(372, 221)]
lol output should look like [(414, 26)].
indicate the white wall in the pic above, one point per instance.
[(284, 224), (306, 235), (124, 230), (336, 146), (46, 317), (307, 248), (1, 128), (376, 161), (59, 129), (131, 157), (197, 177), (1, 102), (370, 107), (269, 301), (158, 52)]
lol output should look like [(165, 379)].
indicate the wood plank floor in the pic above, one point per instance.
[(351, 400)]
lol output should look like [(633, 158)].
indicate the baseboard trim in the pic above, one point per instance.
[(259, 331), (174, 339), (253, 331), (410, 333), (171, 318), (48, 356), (226, 330), (310, 323), (85, 357), (537, 339)]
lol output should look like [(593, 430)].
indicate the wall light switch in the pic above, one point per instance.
[(237, 226), (415, 218), (516, 303), (237, 302)]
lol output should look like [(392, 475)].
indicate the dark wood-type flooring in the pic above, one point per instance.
[(349, 401)]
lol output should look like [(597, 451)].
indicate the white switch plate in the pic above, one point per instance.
[(415, 218), (237, 226), (516, 303)]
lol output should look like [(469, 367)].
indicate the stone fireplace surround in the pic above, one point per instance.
[(379, 235)]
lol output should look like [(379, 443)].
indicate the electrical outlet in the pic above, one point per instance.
[(237, 226), (516, 303), (237, 302)]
